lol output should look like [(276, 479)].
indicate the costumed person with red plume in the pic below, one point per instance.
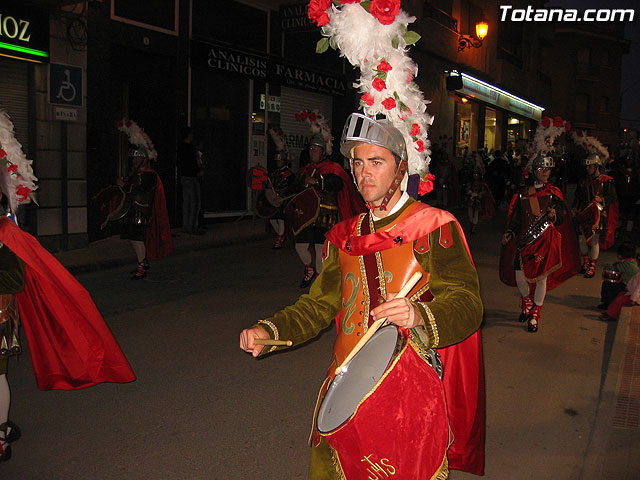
[(146, 223), (539, 247), (400, 424), (326, 197), (596, 206), (280, 187), (479, 200), (71, 346)]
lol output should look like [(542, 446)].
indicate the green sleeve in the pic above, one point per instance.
[(313, 312), (11, 272), (456, 309)]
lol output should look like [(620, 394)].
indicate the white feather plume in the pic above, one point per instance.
[(367, 43), (16, 174), (137, 137)]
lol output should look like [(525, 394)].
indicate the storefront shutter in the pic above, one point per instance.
[(14, 97), (297, 133)]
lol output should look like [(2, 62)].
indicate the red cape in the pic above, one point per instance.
[(350, 202), (463, 362), (158, 241), (71, 346), (569, 247)]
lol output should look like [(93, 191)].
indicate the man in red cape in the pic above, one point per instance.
[(539, 248), (327, 196), (367, 259), (596, 206), (71, 346), (146, 224)]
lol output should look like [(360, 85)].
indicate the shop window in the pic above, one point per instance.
[(492, 129), (515, 132), (467, 115)]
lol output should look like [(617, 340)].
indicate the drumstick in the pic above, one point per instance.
[(377, 324), (268, 341)]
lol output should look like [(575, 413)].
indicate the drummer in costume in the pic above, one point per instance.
[(539, 247), (327, 196), (39, 293), (366, 260), (146, 223), (596, 206), (272, 202)]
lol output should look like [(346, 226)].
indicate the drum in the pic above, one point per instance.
[(387, 406), (535, 231), (113, 204), (302, 210), (610, 274), (589, 220), (268, 203)]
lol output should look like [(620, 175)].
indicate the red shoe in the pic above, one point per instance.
[(534, 318), (141, 272), (279, 241), (309, 276), (585, 265), (525, 305), (591, 270)]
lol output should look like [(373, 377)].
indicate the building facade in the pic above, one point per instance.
[(234, 70)]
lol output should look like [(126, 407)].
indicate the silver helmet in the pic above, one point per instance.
[(362, 129), (317, 140), (138, 152), (593, 159), (543, 161)]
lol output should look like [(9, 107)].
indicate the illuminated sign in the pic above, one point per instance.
[(24, 34), (486, 92), (265, 67)]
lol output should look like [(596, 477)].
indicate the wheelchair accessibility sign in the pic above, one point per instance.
[(65, 85)]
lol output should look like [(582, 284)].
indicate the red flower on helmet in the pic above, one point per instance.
[(384, 66), (3, 154), (368, 99), (317, 11), (312, 117), (567, 126), (23, 192), (389, 103), (426, 185), (12, 168), (415, 130), (344, 2), (557, 121), (378, 84), (385, 11), (546, 121), (420, 146)]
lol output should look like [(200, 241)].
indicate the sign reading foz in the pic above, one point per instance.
[(12, 28), (24, 33)]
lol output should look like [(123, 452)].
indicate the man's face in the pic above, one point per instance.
[(591, 169), (542, 174), (315, 153), (374, 168)]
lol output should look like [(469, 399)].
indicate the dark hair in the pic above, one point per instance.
[(626, 250)]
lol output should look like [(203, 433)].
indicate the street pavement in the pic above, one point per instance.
[(561, 403)]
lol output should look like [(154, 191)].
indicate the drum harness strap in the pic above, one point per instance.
[(431, 356)]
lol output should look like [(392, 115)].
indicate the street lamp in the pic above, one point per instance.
[(467, 41)]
